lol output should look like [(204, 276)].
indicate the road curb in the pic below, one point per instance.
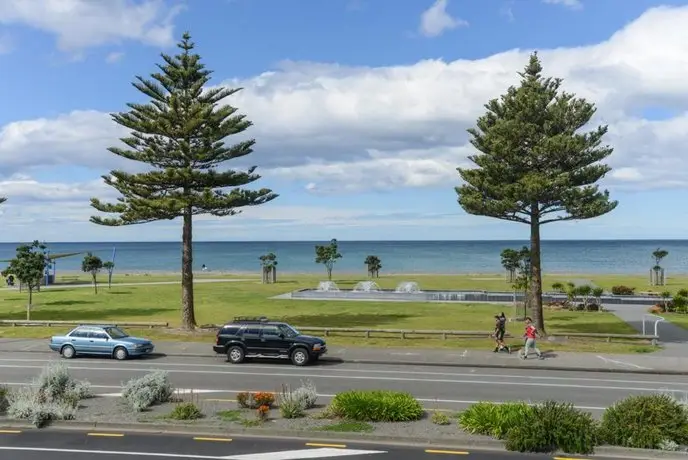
[(390, 362), (462, 441)]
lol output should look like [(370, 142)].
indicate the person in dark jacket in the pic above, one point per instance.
[(500, 331)]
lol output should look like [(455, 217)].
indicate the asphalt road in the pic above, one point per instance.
[(436, 387), (56, 445)]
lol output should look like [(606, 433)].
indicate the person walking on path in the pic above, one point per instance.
[(530, 335), (500, 331)]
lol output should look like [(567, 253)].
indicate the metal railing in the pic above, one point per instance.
[(656, 327)]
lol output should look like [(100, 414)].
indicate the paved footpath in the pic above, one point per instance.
[(559, 361)]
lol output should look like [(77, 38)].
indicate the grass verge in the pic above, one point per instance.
[(219, 302)]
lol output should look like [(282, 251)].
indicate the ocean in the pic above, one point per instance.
[(619, 256)]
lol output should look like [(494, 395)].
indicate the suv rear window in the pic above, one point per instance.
[(230, 330)]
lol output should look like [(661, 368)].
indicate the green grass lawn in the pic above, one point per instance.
[(220, 302)]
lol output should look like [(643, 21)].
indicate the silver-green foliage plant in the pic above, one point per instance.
[(294, 403), (149, 390), (54, 395)]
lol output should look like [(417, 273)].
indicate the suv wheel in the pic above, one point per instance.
[(235, 355), (300, 357)]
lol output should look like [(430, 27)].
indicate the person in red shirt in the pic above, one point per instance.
[(530, 336)]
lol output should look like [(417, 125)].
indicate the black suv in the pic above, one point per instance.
[(260, 338)]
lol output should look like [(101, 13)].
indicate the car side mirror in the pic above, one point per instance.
[(281, 335)]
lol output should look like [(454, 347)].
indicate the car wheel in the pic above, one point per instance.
[(68, 352), (235, 355), (120, 353), (299, 357)]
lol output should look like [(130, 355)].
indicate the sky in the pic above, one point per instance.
[(359, 109)]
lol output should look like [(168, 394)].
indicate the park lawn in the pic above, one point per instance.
[(219, 302), (679, 319)]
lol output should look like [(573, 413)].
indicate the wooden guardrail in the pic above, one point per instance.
[(404, 334), (25, 323)]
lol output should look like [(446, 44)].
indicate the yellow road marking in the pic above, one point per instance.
[(10, 431), (446, 452), (313, 444), (213, 439), (107, 435)]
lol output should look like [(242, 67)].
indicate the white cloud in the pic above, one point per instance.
[(357, 128), (573, 4), (79, 24), (113, 57), (436, 20)]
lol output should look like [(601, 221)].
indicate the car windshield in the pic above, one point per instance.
[(116, 333), (288, 331)]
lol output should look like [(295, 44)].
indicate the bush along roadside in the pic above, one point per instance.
[(648, 422)]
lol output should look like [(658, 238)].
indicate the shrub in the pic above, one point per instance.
[(263, 412), (3, 399), (682, 292), (244, 399), (147, 391), (679, 303), (263, 398), (54, 395), (645, 422), (623, 290), (186, 411), (376, 406), (307, 394), (490, 419), (440, 418), (554, 426)]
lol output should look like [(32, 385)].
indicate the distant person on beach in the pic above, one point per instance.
[(204, 268), (500, 331), (530, 336)]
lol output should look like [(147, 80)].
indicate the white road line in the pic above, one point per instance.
[(108, 452), (369, 371), (350, 377), (327, 452), (622, 363)]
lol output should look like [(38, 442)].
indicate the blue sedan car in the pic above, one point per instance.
[(100, 340)]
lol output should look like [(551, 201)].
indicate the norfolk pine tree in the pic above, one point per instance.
[(180, 134), (535, 165)]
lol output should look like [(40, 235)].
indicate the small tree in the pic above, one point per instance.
[(597, 293), (268, 263), (558, 287), (666, 296), (110, 267), (93, 265), (585, 291), (511, 260), (522, 280), (28, 266), (657, 273), (374, 265), (328, 256)]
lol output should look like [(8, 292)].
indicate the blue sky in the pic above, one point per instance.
[(360, 108)]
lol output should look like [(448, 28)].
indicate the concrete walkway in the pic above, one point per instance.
[(145, 283), (674, 338)]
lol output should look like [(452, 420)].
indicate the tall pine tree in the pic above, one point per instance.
[(535, 164), (180, 134)]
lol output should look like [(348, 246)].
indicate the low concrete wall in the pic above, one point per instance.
[(460, 296)]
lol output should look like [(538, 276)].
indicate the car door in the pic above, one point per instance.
[(98, 343), (273, 343), (79, 340), (252, 340)]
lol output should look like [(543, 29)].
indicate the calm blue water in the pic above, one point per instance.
[(397, 256)]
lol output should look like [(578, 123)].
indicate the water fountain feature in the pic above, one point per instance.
[(408, 287), (327, 286), (366, 286)]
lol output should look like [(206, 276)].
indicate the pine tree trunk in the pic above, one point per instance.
[(188, 314), (536, 273)]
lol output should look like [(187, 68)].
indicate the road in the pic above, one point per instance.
[(69, 445), (437, 387)]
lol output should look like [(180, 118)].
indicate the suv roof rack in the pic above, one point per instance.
[(249, 319)]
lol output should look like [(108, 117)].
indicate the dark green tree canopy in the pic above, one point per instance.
[(511, 259), (328, 255), (659, 254), (534, 160), (91, 264), (28, 265), (268, 260), (181, 134)]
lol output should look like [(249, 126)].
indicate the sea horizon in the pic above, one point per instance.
[(401, 256)]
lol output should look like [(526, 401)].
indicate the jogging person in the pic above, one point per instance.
[(530, 336), (500, 330)]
